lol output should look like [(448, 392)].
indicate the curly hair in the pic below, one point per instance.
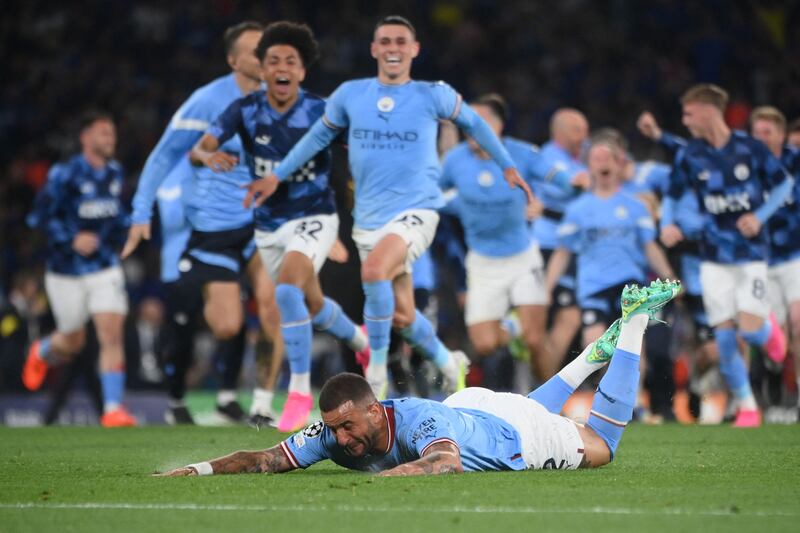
[(298, 36)]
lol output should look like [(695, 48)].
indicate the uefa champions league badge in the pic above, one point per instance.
[(385, 104), (741, 172)]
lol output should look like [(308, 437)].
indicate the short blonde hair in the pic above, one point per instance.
[(706, 93), (772, 114)]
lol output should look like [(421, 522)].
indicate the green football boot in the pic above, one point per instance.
[(648, 300), (604, 347)]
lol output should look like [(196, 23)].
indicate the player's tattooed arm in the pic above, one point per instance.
[(272, 461), (439, 458)]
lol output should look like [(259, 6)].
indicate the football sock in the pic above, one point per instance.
[(759, 337), (555, 392), (296, 330), (511, 326), (378, 313), (225, 396), (262, 401), (113, 385), (333, 321), (229, 356), (733, 369), (45, 354), (612, 407), (300, 382), (421, 336)]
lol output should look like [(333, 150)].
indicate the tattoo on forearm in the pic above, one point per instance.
[(272, 460)]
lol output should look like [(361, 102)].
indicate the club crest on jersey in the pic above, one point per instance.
[(485, 179), (704, 175), (589, 317), (741, 172), (385, 104), (263, 140), (87, 187), (184, 265), (314, 430), (115, 187), (621, 213)]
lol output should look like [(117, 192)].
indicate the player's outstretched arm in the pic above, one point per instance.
[(271, 461), (439, 458), (205, 152)]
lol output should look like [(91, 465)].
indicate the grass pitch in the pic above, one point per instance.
[(669, 478)]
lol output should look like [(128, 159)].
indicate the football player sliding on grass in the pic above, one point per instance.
[(475, 429)]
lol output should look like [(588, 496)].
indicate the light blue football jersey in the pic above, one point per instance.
[(492, 213), (485, 441), (392, 143), (213, 200), (608, 235), (175, 227)]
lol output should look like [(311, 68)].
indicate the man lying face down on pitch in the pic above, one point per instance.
[(474, 429)]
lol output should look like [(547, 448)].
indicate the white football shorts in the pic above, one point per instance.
[(496, 284), (73, 299), (312, 236), (416, 227), (549, 441), (731, 289)]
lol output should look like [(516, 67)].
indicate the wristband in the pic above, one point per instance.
[(203, 469)]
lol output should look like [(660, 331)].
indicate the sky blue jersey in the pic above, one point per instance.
[(554, 198), (485, 441), (175, 227), (78, 197), (392, 143), (492, 213), (648, 177), (729, 182), (267, 136), (213, 200), (609, 236)]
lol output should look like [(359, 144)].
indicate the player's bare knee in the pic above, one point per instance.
[(402, 319), (484, 345), (373, 271), (73, 342), (596, 452), (227, 328)]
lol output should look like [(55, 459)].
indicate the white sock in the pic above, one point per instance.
[(224, 397), (300, 383), (359, 342), (110, 406), (579, 369), (262, 401), (631, 334), (376, 373), (748, 403)]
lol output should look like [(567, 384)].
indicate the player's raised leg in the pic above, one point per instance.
[(615, 398)]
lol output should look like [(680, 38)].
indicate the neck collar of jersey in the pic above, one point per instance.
[(392, 84), (388, 412)]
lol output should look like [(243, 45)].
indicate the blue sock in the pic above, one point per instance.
[(420, 336), (553, 394), (511, 326), (113, 385), (731, 364), (295, 327), (612, 407), (759, 337), (44, 351), (332, 320), (378, 314)]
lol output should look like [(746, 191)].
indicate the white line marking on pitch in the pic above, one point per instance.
[(369, 509)]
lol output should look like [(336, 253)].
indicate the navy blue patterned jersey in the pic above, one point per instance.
[(784, 225), (267, 136), (78, 198), (728, 183)]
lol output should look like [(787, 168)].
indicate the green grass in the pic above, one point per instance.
[(669, 478)]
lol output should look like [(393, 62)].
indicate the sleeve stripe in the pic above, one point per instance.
[(191, 124), (289, 455), (330, 124), (457, 108), (443, 439)]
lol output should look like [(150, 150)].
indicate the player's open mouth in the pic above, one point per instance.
[(393, 60), (282, 80)]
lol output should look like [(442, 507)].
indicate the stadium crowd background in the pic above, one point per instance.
[(140, 60)]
